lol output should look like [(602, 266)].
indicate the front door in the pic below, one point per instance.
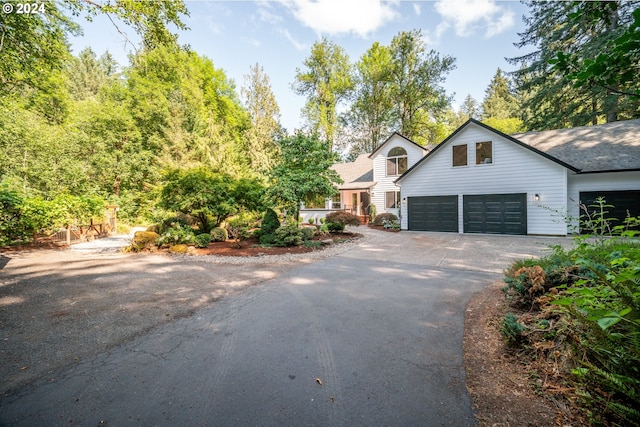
[(365, 201)]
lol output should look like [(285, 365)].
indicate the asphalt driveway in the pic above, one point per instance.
[(370, 336)]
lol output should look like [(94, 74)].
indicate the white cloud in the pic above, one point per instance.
[(417, 9), (332, 17), (469, 16), (298, 45)]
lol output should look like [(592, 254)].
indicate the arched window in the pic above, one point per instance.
[(397, 161)]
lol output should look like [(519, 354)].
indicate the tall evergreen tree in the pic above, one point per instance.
[(470, 108), (265, 127), (549, 98)]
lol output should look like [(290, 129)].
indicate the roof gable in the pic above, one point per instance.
[(490, 129), (390, 138)]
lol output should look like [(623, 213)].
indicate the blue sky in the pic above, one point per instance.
[(278, 35)]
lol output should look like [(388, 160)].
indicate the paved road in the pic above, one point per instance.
[(372, 336)]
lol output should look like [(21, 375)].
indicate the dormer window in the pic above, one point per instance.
[(396, 161), (484, 153)]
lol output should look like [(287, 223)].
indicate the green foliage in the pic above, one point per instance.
[(592, 293), (303, 173), (582, 31), (307, 233), (176, 235), (380, 218), (511, 329), (391, 224), (311, 221), (219, 234), (326, 81), (202, 240), (614, 68), (143, 240), (334, 227), (342, 217), (270, 222), (372, 212), (207, 196), (288, 235)]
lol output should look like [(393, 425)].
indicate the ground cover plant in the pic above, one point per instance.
[(576, 321)]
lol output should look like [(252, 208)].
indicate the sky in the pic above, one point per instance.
[(278, 35)]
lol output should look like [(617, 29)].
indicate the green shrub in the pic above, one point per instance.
[(307, 233), (179, 249), (143, 240), (202, 240), (335, 227), (311, 220), (177, 234), (511, 329), (391, 225), (372, 212), (344, 218), (267, 239), (288, 235), (380, 218), (219, 234), (270, 222)]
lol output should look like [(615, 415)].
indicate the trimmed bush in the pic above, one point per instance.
[(307, 233), (270, 222), (219, 234), (144, 240), (380, 218), (267, 239), (179, 249), (344, 218), (288, 235), (335, 227), (177, 234), (202, 240)]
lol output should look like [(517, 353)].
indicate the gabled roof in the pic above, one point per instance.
[(357, 174), (601, 148), (489, 128), (373, 154)]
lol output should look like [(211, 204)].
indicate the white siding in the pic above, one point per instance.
[(385, 183), (610, 181), (515, 169)]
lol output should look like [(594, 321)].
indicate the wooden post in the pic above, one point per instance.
[(68, 235)]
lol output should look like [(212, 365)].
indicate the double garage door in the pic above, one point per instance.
[(483, 213)]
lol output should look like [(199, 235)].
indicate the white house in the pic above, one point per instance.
[(480, 180), (369, 179)]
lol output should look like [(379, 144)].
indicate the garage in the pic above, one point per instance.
[(433, 213), (495, 213), (620, 201)]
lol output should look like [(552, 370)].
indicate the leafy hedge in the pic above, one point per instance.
[(581, 312)]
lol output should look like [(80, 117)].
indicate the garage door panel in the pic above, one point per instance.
[(495, 213), (433, 213)]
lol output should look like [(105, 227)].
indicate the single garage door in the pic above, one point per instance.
[(433, 213), (621, 201), (495, 213)]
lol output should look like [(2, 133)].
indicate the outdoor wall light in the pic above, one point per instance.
[(536, 197)]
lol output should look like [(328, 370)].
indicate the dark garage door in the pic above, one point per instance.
[(495, 213), (620, 200), (433, 213)]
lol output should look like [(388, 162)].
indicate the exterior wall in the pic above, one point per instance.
[(385, 183), (610, 181), (514, 169)]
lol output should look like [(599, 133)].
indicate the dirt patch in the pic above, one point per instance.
[(504, 390)]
